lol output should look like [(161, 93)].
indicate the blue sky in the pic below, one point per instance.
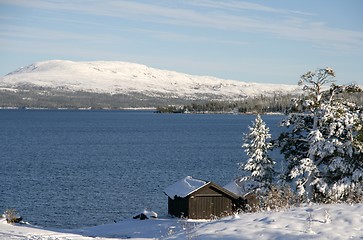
[(252, 41)]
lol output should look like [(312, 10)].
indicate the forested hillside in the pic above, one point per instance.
[(253, 105)]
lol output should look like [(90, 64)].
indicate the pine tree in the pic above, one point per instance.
[(259, 164), (343, 169), (320, 148)]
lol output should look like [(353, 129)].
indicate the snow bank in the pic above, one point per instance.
[(338, 221), (26, 231), (317, 222)]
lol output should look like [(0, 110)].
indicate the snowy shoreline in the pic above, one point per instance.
[(136, 109), (333, 221)]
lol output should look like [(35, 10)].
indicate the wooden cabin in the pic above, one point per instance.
[(198, 199)]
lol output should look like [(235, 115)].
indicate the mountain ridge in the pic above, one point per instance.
[(116, 77), (115, 85)]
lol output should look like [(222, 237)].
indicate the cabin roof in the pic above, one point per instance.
[(184, 187), (241, 187), (189, 185)]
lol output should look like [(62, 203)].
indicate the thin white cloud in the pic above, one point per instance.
[(10, 32), (218, 15), (178, 37), (233, 5)]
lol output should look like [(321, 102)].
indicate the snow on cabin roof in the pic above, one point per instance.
[(241, 188), (184, 187), (234, 188)]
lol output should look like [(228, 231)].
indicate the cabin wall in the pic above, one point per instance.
[(178, 207), (208, 203), (207, 207)]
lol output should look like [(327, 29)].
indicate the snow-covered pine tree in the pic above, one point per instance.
[(320, 148), (259, 165), (342, 122)]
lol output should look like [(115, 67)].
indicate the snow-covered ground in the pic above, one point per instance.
[(338, 221)]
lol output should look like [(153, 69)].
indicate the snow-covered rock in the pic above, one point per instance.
[(146, 214)]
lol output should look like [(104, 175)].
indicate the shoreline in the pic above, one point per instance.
[(137, 109)]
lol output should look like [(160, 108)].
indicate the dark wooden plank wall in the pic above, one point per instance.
[(179, 207), (205, 203), (207, 207), (209, 202)]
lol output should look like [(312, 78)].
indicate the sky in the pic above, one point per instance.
[(251, 41)]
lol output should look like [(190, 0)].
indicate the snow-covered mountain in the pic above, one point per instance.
[(130, 78)]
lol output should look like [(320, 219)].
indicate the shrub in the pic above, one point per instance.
[(12, 216), (276, 198), (279, 198)]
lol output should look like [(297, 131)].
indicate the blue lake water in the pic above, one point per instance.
[(70, 169)]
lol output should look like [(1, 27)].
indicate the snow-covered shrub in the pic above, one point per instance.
[(253, 203), (309, 223), (345, 192), (327, 217), (189, 228), (275, 199), (12, 216), (279, 198)]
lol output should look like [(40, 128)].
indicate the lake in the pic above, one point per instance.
[(71, 169)]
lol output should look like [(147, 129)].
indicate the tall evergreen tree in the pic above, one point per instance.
[(341, 123), (259, 164), (319, 148)]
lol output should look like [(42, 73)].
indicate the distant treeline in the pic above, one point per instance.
[(261, 104), (32, 97), (59, 98)]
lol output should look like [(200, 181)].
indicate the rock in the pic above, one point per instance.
[(141, 216), (146, 215), (14, 220)]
